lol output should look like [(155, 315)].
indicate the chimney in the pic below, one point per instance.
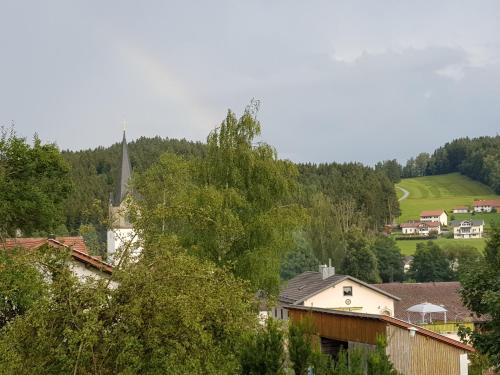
[(326, 271)]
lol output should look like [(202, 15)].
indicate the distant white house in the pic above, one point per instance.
[(421, 228), (486, 205), (434, 216), (463, 229), (460, 210)]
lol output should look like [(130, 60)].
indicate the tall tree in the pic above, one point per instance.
[(389, 259), (430, 263), (481, 293), (34, 183), (235, 206)]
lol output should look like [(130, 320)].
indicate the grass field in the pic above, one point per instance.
[(441, 192), (408, 246)]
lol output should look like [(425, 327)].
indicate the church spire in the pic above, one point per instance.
[(125, 173)]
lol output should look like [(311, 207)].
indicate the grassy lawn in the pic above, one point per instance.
[(442, 192), (408, 247)]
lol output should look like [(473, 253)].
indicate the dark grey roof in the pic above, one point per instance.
[(310, 283), (456, 223), (125, 173)]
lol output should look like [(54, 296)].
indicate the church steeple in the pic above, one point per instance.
[(125, 173)]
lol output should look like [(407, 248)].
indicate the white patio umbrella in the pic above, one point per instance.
[(426, 308)]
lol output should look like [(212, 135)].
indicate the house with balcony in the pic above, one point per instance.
[(463, 229)]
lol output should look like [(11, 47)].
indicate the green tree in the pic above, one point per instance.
[(301, 346), (34, 183), (91, 238), (264, 352), (359, 260), (389, 259), (481, 293), (378, 360), (169, 313), (234, 207), (21, 284), (430, 263), (300, 259)]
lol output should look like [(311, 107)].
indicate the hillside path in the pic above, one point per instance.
[(405, 193)]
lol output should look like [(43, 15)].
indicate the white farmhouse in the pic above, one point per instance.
[(460, 210), (434, 216), (325, 289), (467, 228), (421, 228), (486, 205)]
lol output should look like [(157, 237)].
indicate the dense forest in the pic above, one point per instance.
[(477, 158)]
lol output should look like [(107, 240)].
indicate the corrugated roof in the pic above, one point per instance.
[(388, 320), (310, 283), (444, 294)]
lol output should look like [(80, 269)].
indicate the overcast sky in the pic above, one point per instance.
[(337, 80)]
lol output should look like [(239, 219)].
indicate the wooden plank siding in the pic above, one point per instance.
[(421, 354), (346, 328), (426, 353)]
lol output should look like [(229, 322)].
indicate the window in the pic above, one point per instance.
[(348, 291)]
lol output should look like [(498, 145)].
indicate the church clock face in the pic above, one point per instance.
[(347, 301)]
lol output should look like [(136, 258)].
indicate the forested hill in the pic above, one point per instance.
[(365, 197), (477, 158), (94, 174)]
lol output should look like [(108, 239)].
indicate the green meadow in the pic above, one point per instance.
[(408, 247), (443, 192)]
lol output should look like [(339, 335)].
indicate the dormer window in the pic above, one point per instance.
[(348, 291)]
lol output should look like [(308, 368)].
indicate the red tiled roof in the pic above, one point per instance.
[(431, 213), (418, 224), (77, 245), (492, 203), (444, 294)]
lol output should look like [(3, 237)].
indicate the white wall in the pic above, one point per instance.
[(370, 301), (83, 272), (118, 239)]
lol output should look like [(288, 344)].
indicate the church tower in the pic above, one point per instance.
[(121, 234)]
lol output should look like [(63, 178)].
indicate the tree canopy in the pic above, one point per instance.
[(34, 183)]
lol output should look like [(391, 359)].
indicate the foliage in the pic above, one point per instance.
[(170, 313), (234, 207), (359, 260), (21, 284), (430, 263), (477, 158), (91, 238), (299, 260), (481, 294), (301, 346), (34, 183), (389, 259), (263, 352), (378, 360), (391, 168)]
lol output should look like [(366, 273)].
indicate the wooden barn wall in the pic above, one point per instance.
[(421, 355), (343, 328)]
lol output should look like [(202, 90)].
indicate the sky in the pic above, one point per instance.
[(337, 80)]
